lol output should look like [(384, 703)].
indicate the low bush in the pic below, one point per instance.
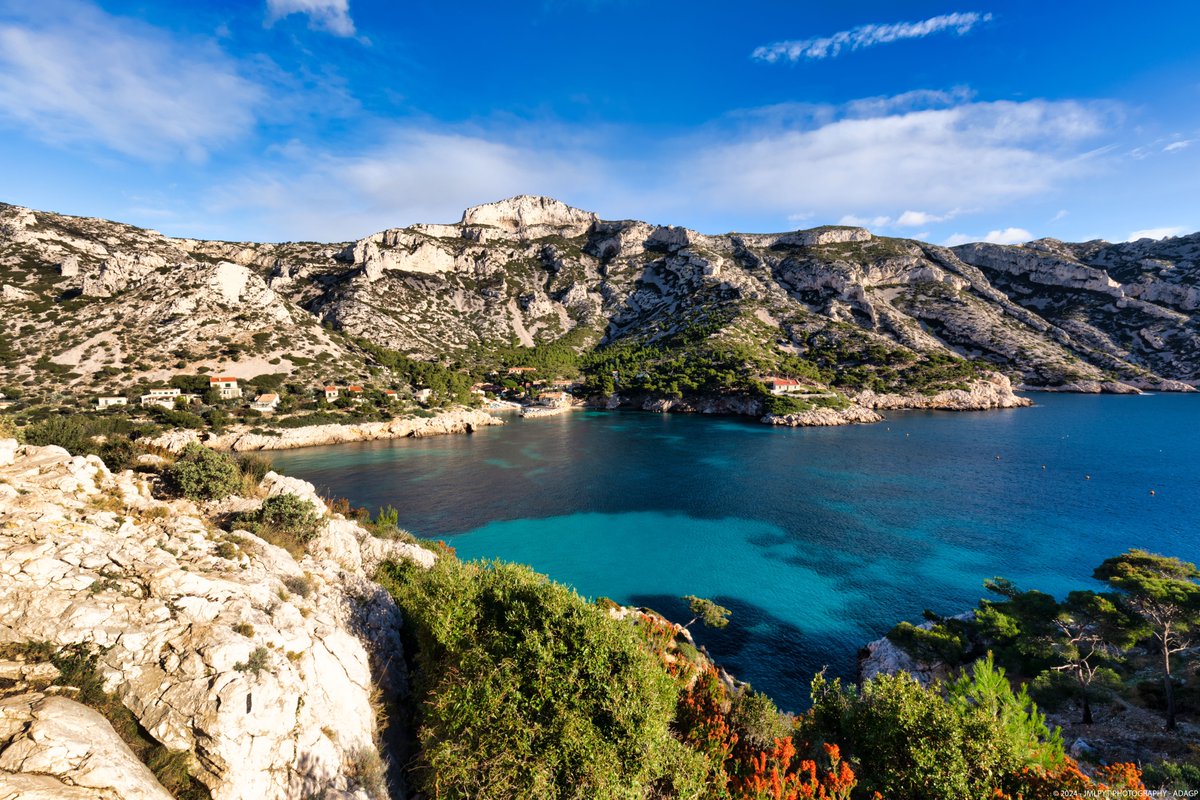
[(526, 690), (284, 520), (203, 474)]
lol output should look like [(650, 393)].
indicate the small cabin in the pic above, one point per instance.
[(422, 395), (331, 393), (108, 402)]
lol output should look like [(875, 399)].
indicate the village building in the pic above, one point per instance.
[(422, 395), (331, 393), (107, 402), (390, 395), (777, 385), (164, 398), (564, 383), (553, 399), (520, 370), (225, 387), (356, 393), (266, 403)]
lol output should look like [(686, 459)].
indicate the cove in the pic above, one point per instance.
[(818, 539)]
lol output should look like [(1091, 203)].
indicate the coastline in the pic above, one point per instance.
[(240, 439)]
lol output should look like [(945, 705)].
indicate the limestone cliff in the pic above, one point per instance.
[(532, 270), (259, 669)]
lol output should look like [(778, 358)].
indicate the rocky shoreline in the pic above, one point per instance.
[(991, 391), (260, 671), (242, 439)]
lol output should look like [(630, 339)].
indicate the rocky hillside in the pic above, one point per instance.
[(238, 670), (94, 303)]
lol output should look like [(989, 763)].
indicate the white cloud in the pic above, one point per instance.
[(413, 176), (1175, 147), (868, 36), (974, 156), (1060, 215), (327, 15), (1008, 236), (917, 219), (750, 166), (865, 222), (71, 73), (1157, 233)]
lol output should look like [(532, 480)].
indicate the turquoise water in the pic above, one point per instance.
[(818, 539)]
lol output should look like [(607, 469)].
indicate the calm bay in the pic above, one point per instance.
[(818, 539)]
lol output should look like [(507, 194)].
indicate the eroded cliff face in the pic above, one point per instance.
[(263, 670), (531, 270)]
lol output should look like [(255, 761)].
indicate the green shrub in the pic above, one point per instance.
[(256, 662), (756, 720), (1172, 777), (287, 514), (526, 690), (913, 743), (254, 467), (203, 474)]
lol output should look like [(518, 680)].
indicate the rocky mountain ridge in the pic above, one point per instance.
[(95, 304)]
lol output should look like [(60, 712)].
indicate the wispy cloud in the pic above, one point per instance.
[(72, 73), (325, 15), (931, 163), (1061, 214), (975, 155), (1157, 233), (412, 175), (1005, 236), (919, 219), (865, 222), (864, 36), (1175, 147)]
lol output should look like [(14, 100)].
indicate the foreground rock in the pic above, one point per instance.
[(260, 668), (52, 747)]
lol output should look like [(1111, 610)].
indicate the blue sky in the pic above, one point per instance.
[(331, 119)]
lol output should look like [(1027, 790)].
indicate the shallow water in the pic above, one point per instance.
[(818, 539)]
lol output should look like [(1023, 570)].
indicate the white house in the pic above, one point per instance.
[(267, 403), (422, 395), (783, 385), (164, 398), (225, 387), (331, 393), (553, 399), (105, 402), (390, 395)]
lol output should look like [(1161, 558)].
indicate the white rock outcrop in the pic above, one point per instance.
[(52, 747), (531, 217), (260, 667), (991, 391), (824, 417)]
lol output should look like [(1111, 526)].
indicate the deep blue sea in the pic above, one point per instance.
[(818, 539)]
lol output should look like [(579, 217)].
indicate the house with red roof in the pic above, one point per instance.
[(225, 386)]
